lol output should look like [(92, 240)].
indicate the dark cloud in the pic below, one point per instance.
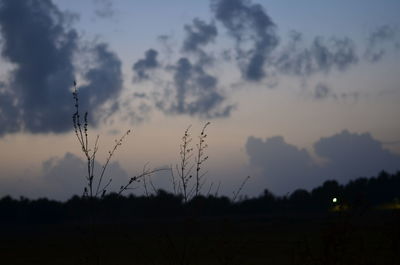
[(379, 41), (346, 155), (248, 23), (37, 40), (142, 66), (322, 56), (104, 83), (198, 34), (9, 113), (194, 92), (355, 155)]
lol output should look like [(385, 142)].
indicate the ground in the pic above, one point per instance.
[(334, 238)]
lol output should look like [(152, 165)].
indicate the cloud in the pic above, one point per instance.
[(285, 166), (142, 66), (190, 86), (355, 155), (195, 92), (9, 113), (139, 112), (38, 42), (104, 83), (248, 23), (192, 89), (346, 155), (198, 34), (65, 177), (60, 178), (322, 56), (104, 8), (379, 40), (323, 91)]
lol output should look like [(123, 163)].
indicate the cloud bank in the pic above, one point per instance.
[(286, 167)]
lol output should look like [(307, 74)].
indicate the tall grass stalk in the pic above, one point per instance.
[(185, 168), (200, 159), (97, 186)]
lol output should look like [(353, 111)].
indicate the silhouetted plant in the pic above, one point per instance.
[(96, 186), (185, 168), (92, 190), (200, 159)]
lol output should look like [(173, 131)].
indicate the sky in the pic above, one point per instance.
[(296, 92)]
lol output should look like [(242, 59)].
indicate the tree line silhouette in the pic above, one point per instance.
[(359, 194)]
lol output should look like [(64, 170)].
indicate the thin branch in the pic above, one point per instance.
[(110, 155), (138, 178), (217, 190), (173, 180), (235, 194), (152, 185), (209, 190), (104, 189)]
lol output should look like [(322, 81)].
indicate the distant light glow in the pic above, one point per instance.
[(334, 200)]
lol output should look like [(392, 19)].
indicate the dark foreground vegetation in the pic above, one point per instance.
[(359, 195), (361, 227)]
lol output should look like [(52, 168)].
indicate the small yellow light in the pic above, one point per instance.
[(334, 200)]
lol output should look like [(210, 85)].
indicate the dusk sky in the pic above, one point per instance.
[(297, 92)]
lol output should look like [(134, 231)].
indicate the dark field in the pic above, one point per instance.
[(335, 238)]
